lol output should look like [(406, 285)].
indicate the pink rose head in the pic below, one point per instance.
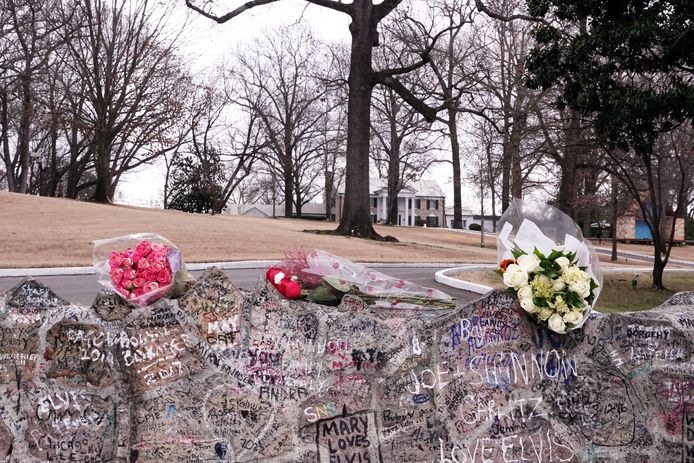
[(144, 248), (138, 292), (150, 286), (164, 277), (139, 282), (143, 264), (129, 274), (126, 262), (149, 275), (430, 292), (115, 260), (135, 257), (131, 296), (156, 266), (159, 248), (116, 276), (127, 284)]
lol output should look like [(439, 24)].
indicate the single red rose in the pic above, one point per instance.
[(292, 289), (505, 263), (139, 282)]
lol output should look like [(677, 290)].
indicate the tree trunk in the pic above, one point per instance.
[(393, 177), (288, 192), (519, 123), (567, 184), (24, 134), (505, 168), (455, 160), (5, 135), (615, 213), (658, 268), (356, 215), (103, 170)]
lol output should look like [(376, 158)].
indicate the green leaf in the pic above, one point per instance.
[(516, 253), (337, 283), (324, 295), (539, 254)]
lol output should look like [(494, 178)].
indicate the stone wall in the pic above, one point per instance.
[(223, 376)]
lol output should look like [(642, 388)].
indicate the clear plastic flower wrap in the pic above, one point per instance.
[(554, 271), (141, 267), (325, 278)]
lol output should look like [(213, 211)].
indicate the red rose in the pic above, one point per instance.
[(149, 275), (127, 284), (138, 292), (292, 289), (505, 263), (126, 262), (139, 282)]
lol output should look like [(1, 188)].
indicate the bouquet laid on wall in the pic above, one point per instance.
[(140, 267), (324, 278), (546, 262)]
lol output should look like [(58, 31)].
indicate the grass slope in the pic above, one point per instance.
[(47, 232)]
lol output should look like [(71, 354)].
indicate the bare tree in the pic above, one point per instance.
[(133, 83), (365, 16), (660, 184), (279, 83), (28, 36)]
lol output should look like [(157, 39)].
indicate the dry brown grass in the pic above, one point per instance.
[(47, 232)]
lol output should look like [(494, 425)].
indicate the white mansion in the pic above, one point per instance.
[(420, 203)]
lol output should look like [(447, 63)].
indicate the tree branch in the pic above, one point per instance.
[(495, 15), (424, 109), (226, 17)]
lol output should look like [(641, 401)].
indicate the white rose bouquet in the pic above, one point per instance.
[(547, 263), (553, 289)]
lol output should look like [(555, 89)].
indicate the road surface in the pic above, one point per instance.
[(81, 289)]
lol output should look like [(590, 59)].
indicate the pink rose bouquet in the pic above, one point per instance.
[(141, 268)]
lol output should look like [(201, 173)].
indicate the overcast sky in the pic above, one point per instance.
[(206, 44)]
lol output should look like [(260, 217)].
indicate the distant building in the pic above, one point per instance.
[(419, 204), (310, 210), (631, 226), (468, 218)]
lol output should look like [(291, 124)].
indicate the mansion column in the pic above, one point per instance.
[(404, 216)]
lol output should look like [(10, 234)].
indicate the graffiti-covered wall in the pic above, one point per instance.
[(219, 375)]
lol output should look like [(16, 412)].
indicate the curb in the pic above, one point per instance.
[(239, 265), (442, 277)]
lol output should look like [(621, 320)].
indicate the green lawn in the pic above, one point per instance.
[(617, 295)]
